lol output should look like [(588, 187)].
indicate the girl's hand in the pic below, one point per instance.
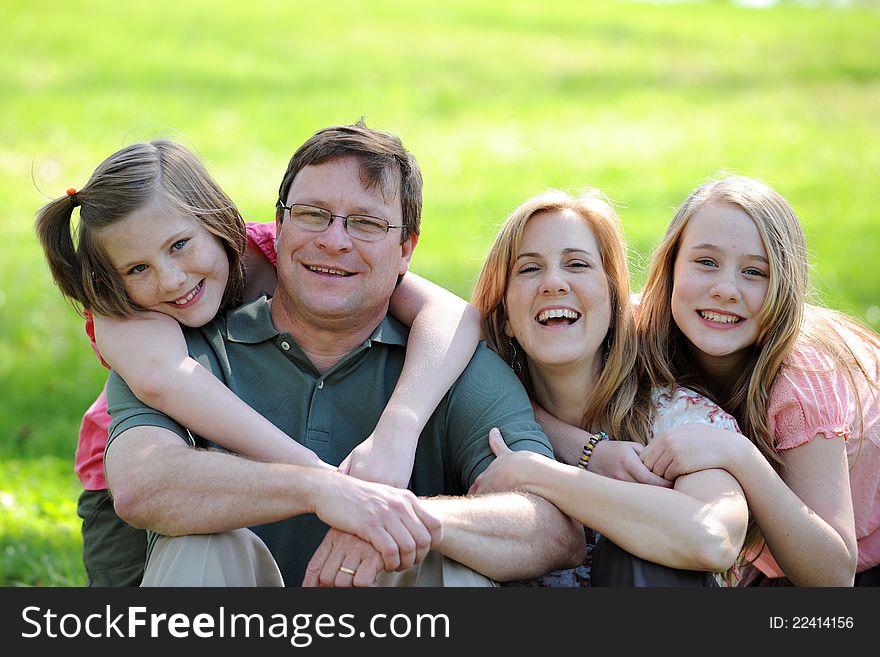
[(383, 459), (393, 521), (620, 459), (507, 472), (693, 447)]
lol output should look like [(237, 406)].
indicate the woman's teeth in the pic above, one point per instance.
[(566, 314)]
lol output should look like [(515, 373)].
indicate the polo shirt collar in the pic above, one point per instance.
[(252, 323), (390, 331)]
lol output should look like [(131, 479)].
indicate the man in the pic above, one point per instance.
[(319, 359)]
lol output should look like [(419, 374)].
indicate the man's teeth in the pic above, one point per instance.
[(189, 297), (328, 270), (718, 318), (556, 313)]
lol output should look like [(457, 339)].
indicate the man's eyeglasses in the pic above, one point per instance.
[(317, 220)]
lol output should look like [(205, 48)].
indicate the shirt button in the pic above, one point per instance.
[(285, 345), (320, 385)]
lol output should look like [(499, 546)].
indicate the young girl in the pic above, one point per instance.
[(554, 295), (132, 290), (723, 312)]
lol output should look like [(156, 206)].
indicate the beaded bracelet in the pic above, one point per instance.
[(588, 449)]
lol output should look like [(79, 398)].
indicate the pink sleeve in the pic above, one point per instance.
[(261, 235), (90, 331), (89, 461), (810, 397)]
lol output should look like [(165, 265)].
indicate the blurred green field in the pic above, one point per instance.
[(497, 100)]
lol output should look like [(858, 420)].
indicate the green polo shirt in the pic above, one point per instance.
[(333, 412)]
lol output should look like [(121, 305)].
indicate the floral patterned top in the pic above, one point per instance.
[(674, 407)]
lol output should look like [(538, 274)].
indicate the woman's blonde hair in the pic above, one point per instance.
[(128, 180), (618, 404)]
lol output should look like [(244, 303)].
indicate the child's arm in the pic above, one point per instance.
[(445, 332), (805, 515), (150, 354)]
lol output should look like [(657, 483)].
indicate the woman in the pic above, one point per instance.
[(723, 312), (555, 300)]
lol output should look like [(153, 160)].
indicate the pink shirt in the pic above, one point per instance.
[(812, 397), (89, 460)]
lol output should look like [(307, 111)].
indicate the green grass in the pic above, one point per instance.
[(40, 542), (498, 100)]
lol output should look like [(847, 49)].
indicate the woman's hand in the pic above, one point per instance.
[(510, 471)]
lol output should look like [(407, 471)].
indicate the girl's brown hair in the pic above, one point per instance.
[(128, 180)]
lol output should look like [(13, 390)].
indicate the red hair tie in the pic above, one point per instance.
[(71, 193)]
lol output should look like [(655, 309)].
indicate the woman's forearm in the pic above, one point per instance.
[(667, 526)]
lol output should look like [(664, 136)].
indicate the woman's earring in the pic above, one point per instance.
[(606, 345), (511, 356)]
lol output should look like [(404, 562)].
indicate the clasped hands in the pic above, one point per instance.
[(374, 527)]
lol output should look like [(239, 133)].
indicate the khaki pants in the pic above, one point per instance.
[(240, 558)]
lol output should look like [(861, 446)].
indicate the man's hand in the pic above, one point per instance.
[(392, 520), (343, 560)]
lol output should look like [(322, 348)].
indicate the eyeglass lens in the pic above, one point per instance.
[(363, 227)]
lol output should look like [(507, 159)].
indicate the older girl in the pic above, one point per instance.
[(723, 312)]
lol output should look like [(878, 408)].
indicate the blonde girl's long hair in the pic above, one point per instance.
[(618, 404), (128, 180), (784, 319), (664, 347)]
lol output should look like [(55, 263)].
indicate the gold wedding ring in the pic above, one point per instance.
[(347, 571)]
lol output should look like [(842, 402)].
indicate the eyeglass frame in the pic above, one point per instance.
[(345, 219)]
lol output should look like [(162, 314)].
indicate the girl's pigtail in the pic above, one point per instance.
[(55, 232)]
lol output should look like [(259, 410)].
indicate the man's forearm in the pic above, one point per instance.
[(508, 536), (161, 483)]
